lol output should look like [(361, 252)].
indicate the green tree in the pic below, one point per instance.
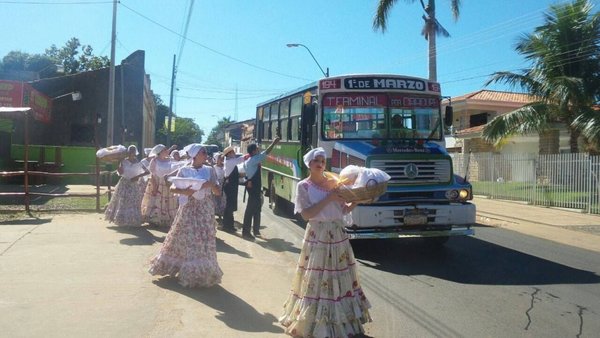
[(20, 61), (185, 131), (564, 77), (76, 58), (217, 133), (431, 29)]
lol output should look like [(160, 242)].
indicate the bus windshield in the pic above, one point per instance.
[(355, 116)]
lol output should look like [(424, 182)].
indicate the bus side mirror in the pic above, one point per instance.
[(449, 116)]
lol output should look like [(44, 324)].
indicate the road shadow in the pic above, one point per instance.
[(142, 235), (467, 260), (223, 246), (277, 244), (233, 311)]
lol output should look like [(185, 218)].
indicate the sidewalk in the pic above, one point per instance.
[(558, 225), (73, 275)]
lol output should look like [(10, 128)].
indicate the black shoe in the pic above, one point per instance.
[(247, 235), (230, 230)]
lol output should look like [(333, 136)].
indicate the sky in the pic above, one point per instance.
[(234, 53)]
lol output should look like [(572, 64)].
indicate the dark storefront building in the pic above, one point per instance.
[(80, 106)]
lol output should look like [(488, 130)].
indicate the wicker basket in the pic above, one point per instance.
[(364, 195)]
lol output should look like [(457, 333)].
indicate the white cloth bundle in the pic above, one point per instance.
[(349, 174), (370, 176), (112, 150)]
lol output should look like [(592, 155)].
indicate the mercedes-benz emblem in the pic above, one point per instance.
[(411, 170)]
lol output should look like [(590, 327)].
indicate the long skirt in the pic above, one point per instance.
[(189, 251), (124, 209), (220, 202), (159, 205), (326, 298)]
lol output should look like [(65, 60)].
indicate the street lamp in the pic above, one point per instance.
[(291, 45)]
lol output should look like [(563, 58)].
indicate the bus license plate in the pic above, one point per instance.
[(415, 219)]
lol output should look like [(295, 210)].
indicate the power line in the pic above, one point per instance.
[(55, 2), (214, 50)]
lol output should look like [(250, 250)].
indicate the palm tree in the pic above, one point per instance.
[(564, 77), (430, 30)]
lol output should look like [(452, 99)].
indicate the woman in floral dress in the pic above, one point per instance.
[(124, 208), (159, 204), (189, 250), (326, 298)]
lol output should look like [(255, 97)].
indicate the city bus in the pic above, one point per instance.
[(390, 122)]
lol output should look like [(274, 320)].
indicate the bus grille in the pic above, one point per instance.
[(427, 171)]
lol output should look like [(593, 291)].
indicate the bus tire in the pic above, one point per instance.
[(275, 202)]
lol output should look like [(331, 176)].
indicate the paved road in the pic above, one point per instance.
[(499, 283), (72, 275)]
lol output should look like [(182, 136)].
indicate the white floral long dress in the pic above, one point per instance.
[(326, 298), (189, 251), (159, 205), (124, 208)]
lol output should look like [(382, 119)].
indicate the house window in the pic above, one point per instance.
[(478, 120)]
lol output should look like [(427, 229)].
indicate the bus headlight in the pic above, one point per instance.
[(463, 194)]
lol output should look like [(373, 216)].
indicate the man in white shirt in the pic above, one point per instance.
[(253, 186)]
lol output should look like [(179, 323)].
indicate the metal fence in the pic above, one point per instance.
[(559, 180)]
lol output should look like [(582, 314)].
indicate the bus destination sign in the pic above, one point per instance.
[(379, 83)]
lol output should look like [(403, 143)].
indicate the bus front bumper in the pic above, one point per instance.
[(419, 220)]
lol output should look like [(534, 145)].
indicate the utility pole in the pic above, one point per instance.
[(171, 104), (110, 120)]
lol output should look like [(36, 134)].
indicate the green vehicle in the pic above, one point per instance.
[(390, 122)]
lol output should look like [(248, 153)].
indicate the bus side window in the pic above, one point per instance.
[(284, 110), (295, 112), (265, 122), (274, 120)]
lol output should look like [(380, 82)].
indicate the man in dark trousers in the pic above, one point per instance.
[(253, 186), (230, 187)]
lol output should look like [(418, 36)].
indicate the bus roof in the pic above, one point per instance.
[(290, 93)]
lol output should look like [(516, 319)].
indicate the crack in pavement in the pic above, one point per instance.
[(18, 239), (533, 298), (580, 310)]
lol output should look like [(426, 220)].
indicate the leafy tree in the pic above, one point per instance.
[(73, 57), (186, 130), (564, 77), (20, 61), (15, 60), (218, 131), (73, 62), (162, 111), (430, 30)]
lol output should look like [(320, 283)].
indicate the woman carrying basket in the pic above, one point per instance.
[(326, 298), (124, 208), (159, 204), (189, 251)]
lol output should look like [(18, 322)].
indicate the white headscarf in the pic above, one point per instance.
[(312, 154), (131, 147), (157, 150), (147, 151), (194, 149)]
